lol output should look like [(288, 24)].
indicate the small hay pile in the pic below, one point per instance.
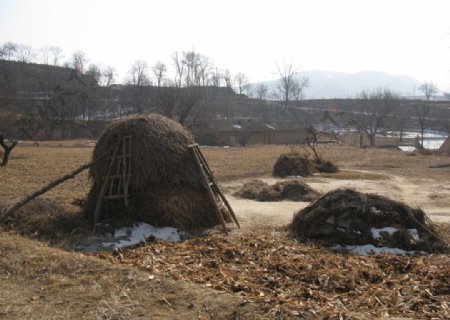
[(298, 164), (325, 166), (348, 217), (293, 190), (166, 186)]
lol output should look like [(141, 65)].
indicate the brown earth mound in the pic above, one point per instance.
[(45, 220), (293, 190), (297, 164), (349, 217)]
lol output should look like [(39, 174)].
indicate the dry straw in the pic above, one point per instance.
[(166, 187)]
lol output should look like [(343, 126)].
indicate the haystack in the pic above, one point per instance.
[(297, 164), (293, 164), (293, 190), (165, 187), (348, 217)]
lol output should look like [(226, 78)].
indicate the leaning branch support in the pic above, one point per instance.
[(48, 187), (6, 214)]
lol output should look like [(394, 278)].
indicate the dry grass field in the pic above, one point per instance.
[(256, 272)]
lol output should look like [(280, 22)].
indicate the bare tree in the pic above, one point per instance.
[(242, 81), (216, 78), (179, 68), (261, 91), (78, 61), (298, 86), (9, 50), (138, 74), (109, 74), (95, 72), (7, 149), (289, 87), (25, 53), (44, 55), (375, 109), (204, 69), (56, 54), (226, 75), (159, 70), (429, 90)]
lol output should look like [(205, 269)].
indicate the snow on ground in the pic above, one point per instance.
[(407, 148), (126, 237), (369, 249)]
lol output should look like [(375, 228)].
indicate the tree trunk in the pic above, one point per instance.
[(372, 139), (7, 150)]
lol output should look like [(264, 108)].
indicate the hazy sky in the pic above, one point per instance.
[(410, 37)]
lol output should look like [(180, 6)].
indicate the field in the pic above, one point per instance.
[(256, 272)]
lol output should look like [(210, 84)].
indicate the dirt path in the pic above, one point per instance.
[(427, 194)]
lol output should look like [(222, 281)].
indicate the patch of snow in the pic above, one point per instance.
[(414, 234), (237, 126), (294, 177), (140, 232), (270, 127), (433, 144), (407, 148), (369, 249), (341, 229), (376, 233), (374, 209)]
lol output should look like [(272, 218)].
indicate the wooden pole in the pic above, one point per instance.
[(51, 185), (103, 188), (216, 187), (48, 187), (208, 188)]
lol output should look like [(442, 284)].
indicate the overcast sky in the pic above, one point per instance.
[(410, 37)]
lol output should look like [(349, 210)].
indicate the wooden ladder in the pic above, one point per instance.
[(214, 192), (117, 176)]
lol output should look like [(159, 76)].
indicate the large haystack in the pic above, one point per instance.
[(347, 217), (166, 187)]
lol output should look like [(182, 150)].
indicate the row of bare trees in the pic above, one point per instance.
[(189, 69), (53, 56)]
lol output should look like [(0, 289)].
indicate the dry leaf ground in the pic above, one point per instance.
[(256, 272)]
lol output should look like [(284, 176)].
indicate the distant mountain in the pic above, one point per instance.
[(329, 84)]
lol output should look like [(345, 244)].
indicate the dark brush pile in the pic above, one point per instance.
[(348, 217), (293, 190)]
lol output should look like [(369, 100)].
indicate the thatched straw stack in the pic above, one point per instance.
[(348, 217), (293, 164), (166, 187), (298, 164)]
